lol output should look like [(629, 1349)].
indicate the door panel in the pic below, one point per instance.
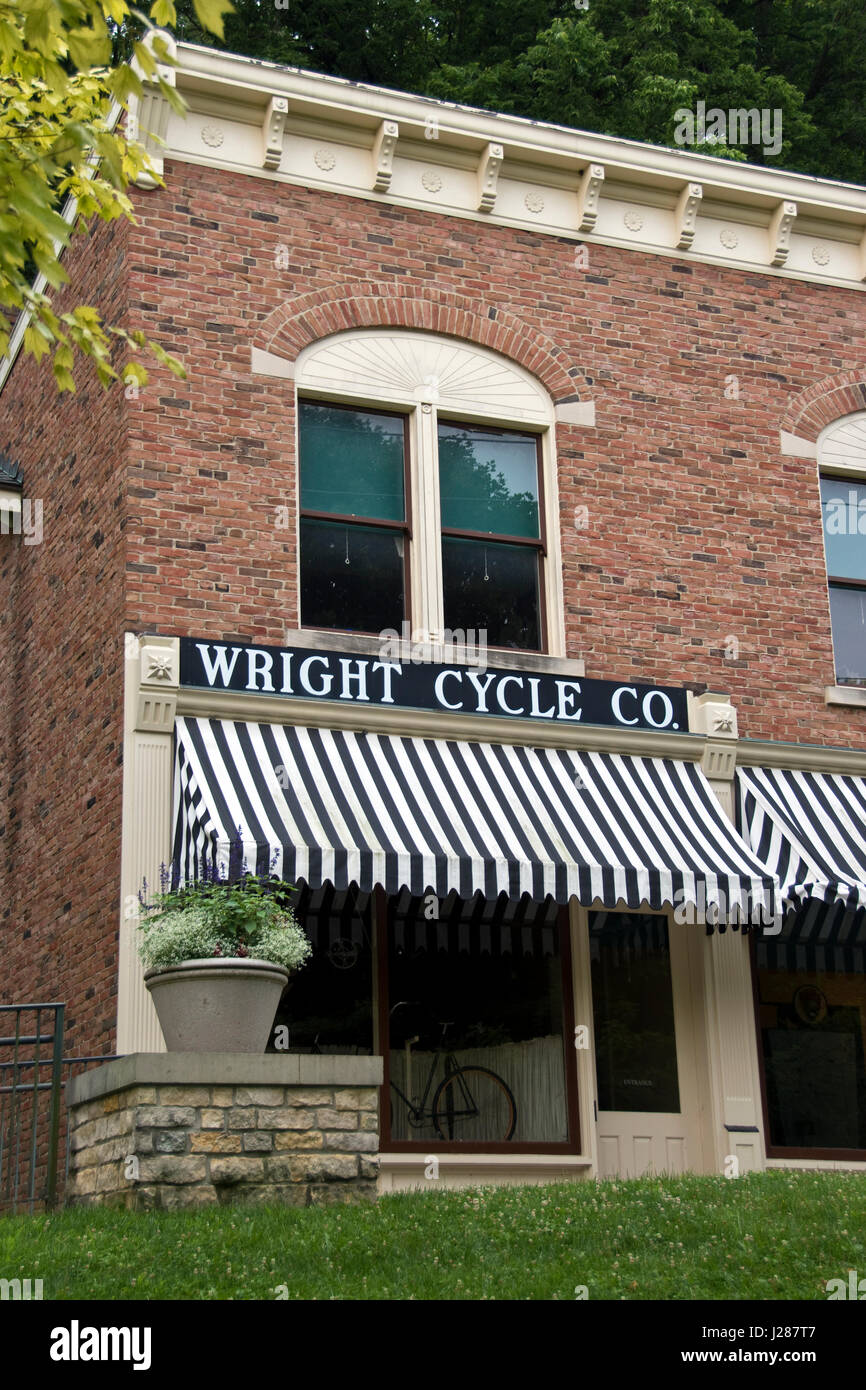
[(648, 1105)]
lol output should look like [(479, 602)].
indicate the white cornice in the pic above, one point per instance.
[(413, 151)]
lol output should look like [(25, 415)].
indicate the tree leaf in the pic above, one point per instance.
[(210, 13)]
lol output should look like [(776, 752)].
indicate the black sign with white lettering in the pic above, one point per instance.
[(405, 678)]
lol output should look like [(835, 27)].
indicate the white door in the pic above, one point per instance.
[(644, 978)]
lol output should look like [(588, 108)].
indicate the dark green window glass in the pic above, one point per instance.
[(351, 462), (352, 577), (843, 504), (493, 587), (488, 481), (812, 1012), (633, 1008)]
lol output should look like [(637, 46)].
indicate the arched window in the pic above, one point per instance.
[(428, 492), (842, 467)]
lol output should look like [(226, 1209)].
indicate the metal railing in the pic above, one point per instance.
[(30, 1131)]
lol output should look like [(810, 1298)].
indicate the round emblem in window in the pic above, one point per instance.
[(343, 953), (810, 1004)]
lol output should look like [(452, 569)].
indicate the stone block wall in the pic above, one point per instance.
[(166, 1143)]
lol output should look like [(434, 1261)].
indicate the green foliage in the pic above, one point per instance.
[(63, 148), (249, 917)]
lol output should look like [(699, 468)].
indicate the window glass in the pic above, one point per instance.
[(848, 614), (812, 1016), (493, 587), (488, 480), (328, 1006), (843, 504), (633, 1008), (351, 462), (352, 577), (478, 989)]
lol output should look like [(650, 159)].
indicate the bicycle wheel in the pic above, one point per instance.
[(474, 1105)]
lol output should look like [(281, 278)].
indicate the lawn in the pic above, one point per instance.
[(771, 1235)]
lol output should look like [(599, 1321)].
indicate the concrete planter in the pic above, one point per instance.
[(217, 1005)]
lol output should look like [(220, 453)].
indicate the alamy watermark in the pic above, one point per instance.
[(421, 646), (744, 910), (737, 126), (20, 1290), (26, 522), (846, 517)]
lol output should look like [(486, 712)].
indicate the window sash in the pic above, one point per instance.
[(422, 529)]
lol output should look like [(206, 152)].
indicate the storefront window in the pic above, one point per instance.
[(812, 1028), (466, 1000), (476, 1027), (328, 1006)]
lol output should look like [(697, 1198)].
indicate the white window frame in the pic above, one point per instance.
[(425, 375)]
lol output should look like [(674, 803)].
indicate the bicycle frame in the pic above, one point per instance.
[(419, 1114)]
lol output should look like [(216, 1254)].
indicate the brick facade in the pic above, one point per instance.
[(61, 672), (160, 511), (700, 528)]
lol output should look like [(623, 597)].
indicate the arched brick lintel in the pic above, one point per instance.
[(310, 317), (825, 402)]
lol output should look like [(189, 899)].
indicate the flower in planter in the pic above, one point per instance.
[(225, 912)]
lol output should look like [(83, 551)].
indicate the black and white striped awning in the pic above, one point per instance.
[(827, 938), (809, 828), (440, 816)]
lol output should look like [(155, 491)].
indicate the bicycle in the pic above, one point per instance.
[(465, 1094)]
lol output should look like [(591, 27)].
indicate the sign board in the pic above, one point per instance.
[(297, 673)]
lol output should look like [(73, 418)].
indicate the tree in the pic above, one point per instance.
[(65, 159)]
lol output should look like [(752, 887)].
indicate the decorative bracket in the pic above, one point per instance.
[(588, 195), (272, 132), (159, 678), (383, 155), (686, 215), (488, 176), (862, 267), (148, 114), (780, 232)]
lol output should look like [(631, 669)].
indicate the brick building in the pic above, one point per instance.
[(456, 373)]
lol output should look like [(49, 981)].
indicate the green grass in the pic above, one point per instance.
[(776, 1235)]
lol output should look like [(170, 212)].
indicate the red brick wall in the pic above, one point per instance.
[(61, 673), (699, 529)]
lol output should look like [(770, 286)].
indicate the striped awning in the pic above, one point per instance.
[(827, 938), (809, 828), (440, 816)]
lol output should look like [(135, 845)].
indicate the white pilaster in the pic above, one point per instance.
[(150, 699), (732, 1042)]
